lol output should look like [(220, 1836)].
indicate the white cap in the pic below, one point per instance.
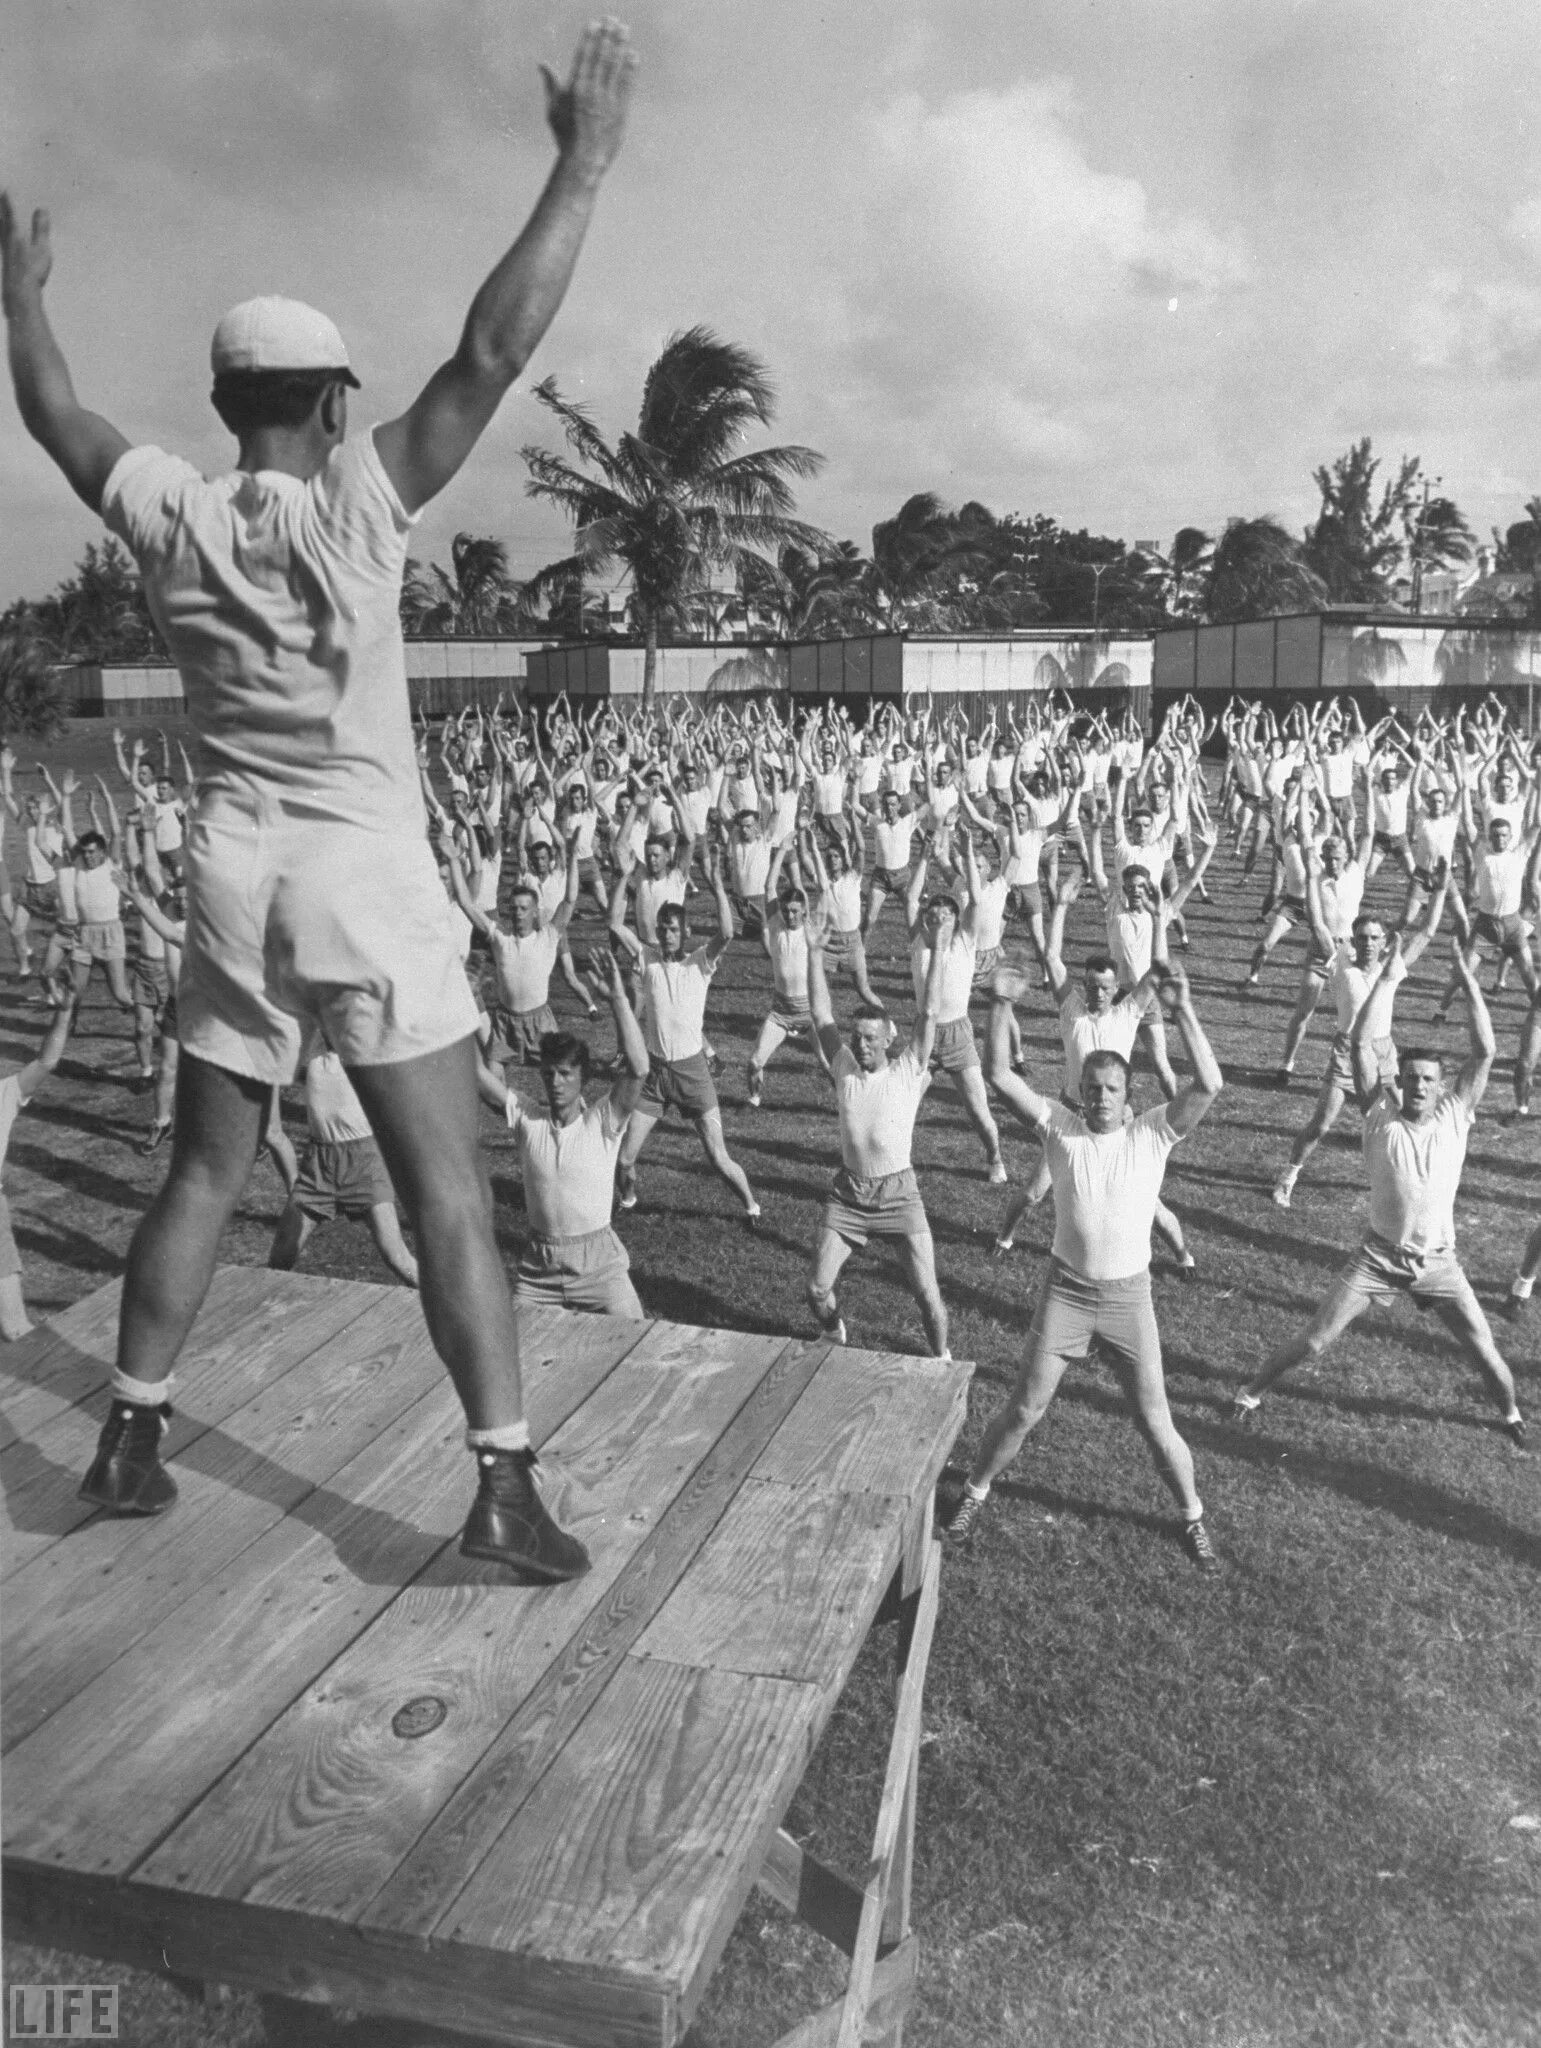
[(279, 334)]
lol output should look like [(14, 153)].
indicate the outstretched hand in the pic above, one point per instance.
[(26, 255), (588, 114)]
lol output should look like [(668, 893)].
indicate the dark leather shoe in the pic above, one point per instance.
[(126, 1475), (508, 1523)]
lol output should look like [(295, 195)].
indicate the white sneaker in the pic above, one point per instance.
[(1283, 1192), (998, 1175)]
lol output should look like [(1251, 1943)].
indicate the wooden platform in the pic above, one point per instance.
[(287, 1737)]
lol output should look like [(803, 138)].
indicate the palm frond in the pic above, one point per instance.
[(583, 437)]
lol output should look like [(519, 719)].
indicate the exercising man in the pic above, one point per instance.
[(314, 897), (1107, 1176), (874, 1192), (567, 1155), (1415, 1134)]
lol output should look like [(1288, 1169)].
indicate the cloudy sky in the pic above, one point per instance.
[(1135, 263)]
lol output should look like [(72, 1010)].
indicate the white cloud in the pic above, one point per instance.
[(1488, 328), (1525, 226)]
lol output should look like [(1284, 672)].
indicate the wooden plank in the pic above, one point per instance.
[(883, 1423), (642, 1839), (80, 1605), (319, 1814), (509, 1998), (893, 1993), (787, 1585), (53, 1349), (418, 1895), (109, 1774), (892, 1808), (820, 1897), (72, 1357), (251, 1335)]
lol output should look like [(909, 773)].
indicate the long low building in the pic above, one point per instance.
[(1388, 660)]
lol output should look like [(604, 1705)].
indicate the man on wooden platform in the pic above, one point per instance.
[(314, 897)]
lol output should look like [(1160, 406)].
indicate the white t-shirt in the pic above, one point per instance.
[(1388, 809), (1152, 856), (1106, 1184), (750, 862), (96, 895), (653, 892), (1082, 1033), (1131, 940), (333, 1111), (894, 839), (842, 901), (1349, 985), (1341, 896), (789, 963), (957, 983), (568, 1169), (990, 913), (674, 1002), (1498, 879), (877, 1112), (523, 966), (278, 598), (1414, 1172)]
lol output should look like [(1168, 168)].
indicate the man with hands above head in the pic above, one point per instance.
[(1107, 1176), (315, 901)]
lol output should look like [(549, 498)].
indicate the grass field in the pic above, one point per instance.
[(1261, 1810)]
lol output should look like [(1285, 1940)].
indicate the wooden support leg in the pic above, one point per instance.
[(880, 1986)]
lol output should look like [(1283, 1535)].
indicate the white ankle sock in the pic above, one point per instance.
[(1521, 1287), (143, 1393), (1194, 1514), (507, 1436), (976, 1492)]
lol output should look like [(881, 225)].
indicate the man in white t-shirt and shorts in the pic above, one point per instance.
[(874, 1191), (314, 900), (939, 924), (675, 978), (567, 1155), (1415, 1135), (341, 1174), (1107, 1178)]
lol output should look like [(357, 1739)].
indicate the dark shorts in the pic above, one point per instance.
[(1028, 898), (955, 1049), (986, 965), (41, 898), (838, 946), (169, 1016), (343, 1180), (1507, 933), (10, 1257), (1292, 908), (685, 1084), (522, 1030), (151, 984), (895, 880), (1389, 842), (861, 1209)]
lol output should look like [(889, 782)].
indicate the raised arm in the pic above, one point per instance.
[(422, 449), (722, 938), (923, 1033), (51, 1051), (1471, 1082), (626, 1091), (826, 1031), (1024, 1102), (83, 444), (1192, 1102)]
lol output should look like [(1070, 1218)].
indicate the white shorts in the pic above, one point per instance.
[(294, 923)]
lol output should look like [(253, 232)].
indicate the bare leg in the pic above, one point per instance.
[(919, 1258), (1310, 994), (385, 1229), (14, 1321), (714, 1145), (828, 1263), (294, 1232), (1339, 1307), (970, 1084), (1145, 1388), (424, 1114), (276, 1142), (1470, 1329), (1329, 1107), (171, 1258), (1528, 1057), (1025, 1407)]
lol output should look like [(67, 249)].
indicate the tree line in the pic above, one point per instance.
[(684, 530)]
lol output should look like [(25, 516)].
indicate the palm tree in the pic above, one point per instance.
[(1257, 570), (916, 558), (1179, 577), (806, 595), (476, 599), (672, 501)]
